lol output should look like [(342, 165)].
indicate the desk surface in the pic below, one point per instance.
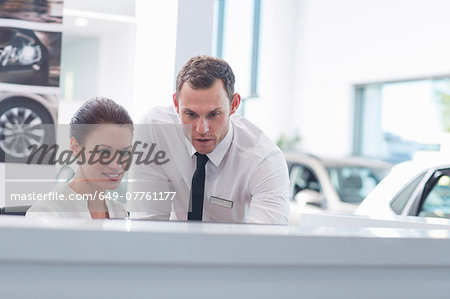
[(357, 258), (151, 242)]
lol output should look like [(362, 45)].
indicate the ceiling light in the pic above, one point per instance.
[(81, 22)]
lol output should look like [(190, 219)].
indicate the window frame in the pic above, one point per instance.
[(407, 205), (428, 187)]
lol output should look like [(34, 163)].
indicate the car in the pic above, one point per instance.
[(413, 188), (331, 184)]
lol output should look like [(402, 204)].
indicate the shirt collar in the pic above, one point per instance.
[(216, 156)]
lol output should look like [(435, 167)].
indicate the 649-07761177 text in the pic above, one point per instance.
[(52, 196)]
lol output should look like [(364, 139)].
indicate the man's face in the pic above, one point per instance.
[(207, 112)]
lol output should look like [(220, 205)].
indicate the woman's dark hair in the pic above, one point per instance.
[(95, 111)]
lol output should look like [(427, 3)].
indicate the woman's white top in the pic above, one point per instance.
[(66, 203)]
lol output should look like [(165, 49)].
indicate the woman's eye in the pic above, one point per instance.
[(125, 153), (105, 153)]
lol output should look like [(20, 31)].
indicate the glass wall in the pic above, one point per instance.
[(237, 42), (396, 120)]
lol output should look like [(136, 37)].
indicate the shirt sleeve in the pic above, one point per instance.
[(147, 180), (269, 190), (142, 203)]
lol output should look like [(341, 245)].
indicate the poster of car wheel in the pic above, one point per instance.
[(30, 58)]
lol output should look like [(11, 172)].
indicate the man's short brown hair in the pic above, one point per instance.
[(203, 71)]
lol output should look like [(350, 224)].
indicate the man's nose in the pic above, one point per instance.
[(202, 126)]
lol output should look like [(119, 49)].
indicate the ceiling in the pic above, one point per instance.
[(115, 7), (101, 17)]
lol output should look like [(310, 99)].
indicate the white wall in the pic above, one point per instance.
[(272, 110), (100, 55), (103, 65), (116, 7), (346, 42), (195, 26), (116, 65), (168, 34), (155, 54)]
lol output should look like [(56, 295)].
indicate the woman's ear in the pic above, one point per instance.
[(75, 147)]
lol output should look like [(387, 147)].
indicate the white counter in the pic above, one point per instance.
[(139, 259)]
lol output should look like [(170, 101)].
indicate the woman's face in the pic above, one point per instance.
[(106, 149)]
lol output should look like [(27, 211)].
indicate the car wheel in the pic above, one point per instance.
[(23, 123)]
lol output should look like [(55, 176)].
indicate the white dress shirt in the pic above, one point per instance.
[(68, 208), (246, 175)]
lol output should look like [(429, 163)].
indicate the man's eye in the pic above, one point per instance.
[(190, 114), (214, 114)]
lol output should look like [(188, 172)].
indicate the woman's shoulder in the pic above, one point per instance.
[(45, 209), (116, 210), (60, 201)]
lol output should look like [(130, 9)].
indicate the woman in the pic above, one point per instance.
[(101, 134)]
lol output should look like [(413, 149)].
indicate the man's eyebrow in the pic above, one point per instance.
[(187, 110)]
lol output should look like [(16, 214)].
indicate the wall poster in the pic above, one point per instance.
[(30, 58)]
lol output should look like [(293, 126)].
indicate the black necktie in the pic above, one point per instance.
[(197, 189)]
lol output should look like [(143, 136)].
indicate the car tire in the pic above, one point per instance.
[(24, 121)]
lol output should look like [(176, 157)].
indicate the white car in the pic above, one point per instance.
[(335, 185), (413, 188)]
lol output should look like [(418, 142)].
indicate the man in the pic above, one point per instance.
[(221, 167)]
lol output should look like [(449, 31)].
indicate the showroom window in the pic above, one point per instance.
[(237, 42), (395, 120)]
